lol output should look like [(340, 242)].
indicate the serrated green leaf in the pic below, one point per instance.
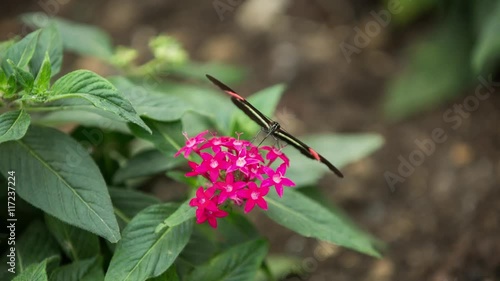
[(24, 78), (486, 52), (142, 253), (128, 203), (21, 52), (147, 163), (239, 263), (13, 125), (83, 87), (77, 37), (42, 80), (308, 218), (339, 149), (83, 270), (9, 86), (166, 136), (49, 45), (77, 243), (149, 103), (61, 179), (34, 272)]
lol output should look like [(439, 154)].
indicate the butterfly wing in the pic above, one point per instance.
[(306, 150), (247, 108)]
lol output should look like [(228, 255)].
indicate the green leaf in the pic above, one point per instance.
[(180, 177), (208, 102), (235, 229), (35, 272), (4, 46), (166, 136), (228, 73), (13, 125), (438, 70), (128, 203), (90, 118), (339, 149), (406, 11), (80, 38), (183, 213), (201, 247), (280, 267), (150, 103), (147, 163), (83, 87), (23, 77), (62, 180), (49, 46), (9, 86), (308, 218), (35, 245), (20, 53), (266, 101), (42, 80), (32, 246), (239, 263), (142, 253), (82, 270), (486, 52), (78, 244), (169, 275)]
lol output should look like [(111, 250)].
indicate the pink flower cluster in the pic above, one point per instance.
[(232, 167)]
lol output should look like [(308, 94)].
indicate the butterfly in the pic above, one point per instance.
[(272, 127)]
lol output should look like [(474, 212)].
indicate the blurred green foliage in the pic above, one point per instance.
[(462, 44)]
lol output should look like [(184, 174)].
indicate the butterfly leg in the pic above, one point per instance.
[(268, 133), (256, 136)]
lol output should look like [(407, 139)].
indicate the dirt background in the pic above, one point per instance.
[(441, 223)]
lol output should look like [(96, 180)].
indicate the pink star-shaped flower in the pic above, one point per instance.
[(240, 162), (277, 179), (203, 200), (275, 153), (212, 165), (229, 189), (254, 196), (191, 144), (211, 216)]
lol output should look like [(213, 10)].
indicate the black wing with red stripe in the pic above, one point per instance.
[(265, 122), (252, 112), (306, 150)]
